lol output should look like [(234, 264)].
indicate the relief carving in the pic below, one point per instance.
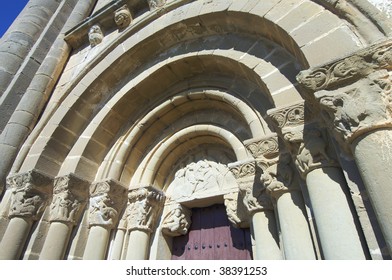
[(357, 108), (348, 70), (30, 191), (69, 198), (290, 116), (107, 199), (95, 35), (144, 205), (155, 4), (267, 147), (235, 211), (123, 17), (177, 221)]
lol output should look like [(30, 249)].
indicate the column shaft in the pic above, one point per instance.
[(14, 238), (138, 245), (338, 234), (56, 242), (118, 245), (266, 236), (375, 167), (297, 241), (97, 243)]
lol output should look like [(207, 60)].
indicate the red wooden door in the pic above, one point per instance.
[(212, 237)]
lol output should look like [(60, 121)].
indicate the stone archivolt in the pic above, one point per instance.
[(30, 191), (144, 205), (106, 201), (69, 198)]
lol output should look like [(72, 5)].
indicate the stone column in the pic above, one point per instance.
[(354, 96), (30, 192), (69, 199), (145, 203), (260, 210), (107, 199), (119, 238), (281, 184), (313, 157)]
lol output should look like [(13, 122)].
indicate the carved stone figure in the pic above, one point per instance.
[(278, 177), (177, 221), (95, 35), (123, 17), (144, 205), (154, 4)]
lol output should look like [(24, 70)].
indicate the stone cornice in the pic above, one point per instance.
[(348, 70), (30, 192)]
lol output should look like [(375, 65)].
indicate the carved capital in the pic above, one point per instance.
[(177, 221), (122, 17), (144, 205), (236, 211), (107, 199), (310, 147), (95, 35), (358, 108), (349, 69), (70, 195), (267, 147), (156, 4), (30, 192)]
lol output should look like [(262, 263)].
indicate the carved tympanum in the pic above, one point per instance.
[(95, 35), (144, 205), (177, 221), (123, 17), (107, 199), (69, 197), (30, 191)]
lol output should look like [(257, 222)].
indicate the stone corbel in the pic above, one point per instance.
[(30, 192), (235, 210), (95, 35), (177, 221), (145, 203), (253, 195), (107, 199), (156, 4), (123, 17), (70, 195)]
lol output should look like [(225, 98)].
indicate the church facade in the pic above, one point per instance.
[(207, 129)]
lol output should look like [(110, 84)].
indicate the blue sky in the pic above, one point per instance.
[(8, 12)]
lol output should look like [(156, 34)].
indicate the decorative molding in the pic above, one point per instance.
[(30, 191), (243, 169), (144, 205), (363, 106), (123, 17), (267, 147), (95, 35), (348, 70), (290, 116), (107, 199), (177, 221), (69, 198)]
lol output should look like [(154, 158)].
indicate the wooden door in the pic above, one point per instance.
[(212, 237)]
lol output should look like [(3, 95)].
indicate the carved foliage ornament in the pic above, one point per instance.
[(268, 147), (289, 116), (144, 205), (348, 70), (69, 197), (243, 170), (123, 17), (358, 108), (177, 221), (29, 194), (106, 201)]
